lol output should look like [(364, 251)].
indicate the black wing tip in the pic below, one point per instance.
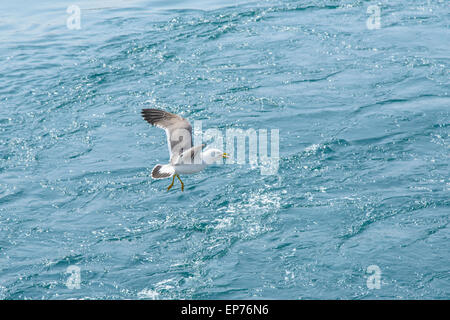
[(152, 112), (153, 115)]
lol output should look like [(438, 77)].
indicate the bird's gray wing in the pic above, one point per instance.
[(178, 129), (189, 155)]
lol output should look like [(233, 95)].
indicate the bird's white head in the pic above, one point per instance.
[(212, 155)]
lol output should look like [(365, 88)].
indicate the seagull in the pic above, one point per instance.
[(184, 158)]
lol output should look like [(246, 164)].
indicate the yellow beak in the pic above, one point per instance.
[(224, 155)]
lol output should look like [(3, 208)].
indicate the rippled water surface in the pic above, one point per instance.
[(363, 178)]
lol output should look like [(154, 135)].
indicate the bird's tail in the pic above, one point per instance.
[(161, 171)]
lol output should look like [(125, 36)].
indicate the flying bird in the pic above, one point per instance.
[(184, 158)]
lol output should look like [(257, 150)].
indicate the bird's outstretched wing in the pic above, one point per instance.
[(189, 156), (178, 129)]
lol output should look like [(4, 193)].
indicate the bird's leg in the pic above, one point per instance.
[(182, 184), (171, 185)]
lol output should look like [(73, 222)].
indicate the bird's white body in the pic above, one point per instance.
[(189, 168), (199, 163)]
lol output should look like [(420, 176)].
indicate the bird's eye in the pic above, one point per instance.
[(213, 154)]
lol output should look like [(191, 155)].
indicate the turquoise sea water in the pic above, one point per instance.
[(363, 179)]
